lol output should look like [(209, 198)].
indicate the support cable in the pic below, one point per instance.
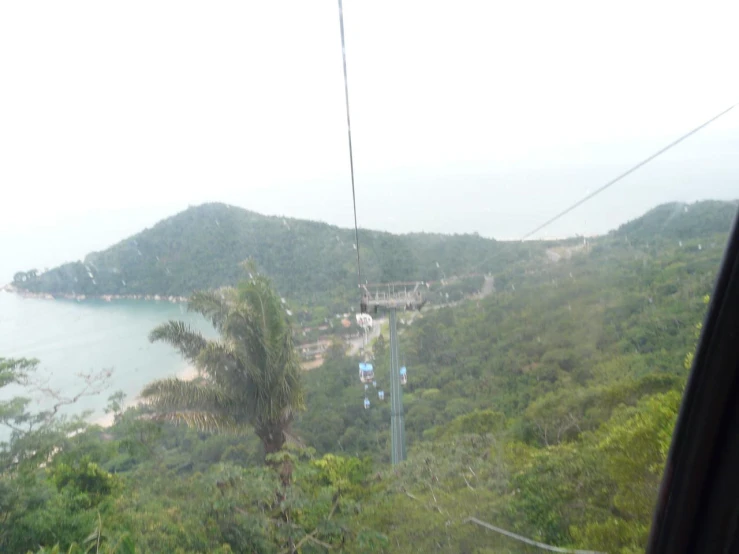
[(527, 541), (349, 132), (626, 173)]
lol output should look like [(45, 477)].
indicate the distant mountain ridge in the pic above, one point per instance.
[(203, 246), (678, 220)]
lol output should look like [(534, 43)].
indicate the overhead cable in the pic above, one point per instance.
[(624, 174), (349, 132)]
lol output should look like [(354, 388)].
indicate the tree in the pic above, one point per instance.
[(13, 412), (633, 444), (379, 348), (250, 377)]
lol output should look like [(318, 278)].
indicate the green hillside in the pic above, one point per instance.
[(612, 312), (312, 262), (545, 408), (680, 221), (309, 261)]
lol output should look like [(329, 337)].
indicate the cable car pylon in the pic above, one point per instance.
[(389, 298)]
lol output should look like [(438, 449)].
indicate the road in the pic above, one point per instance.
[(488, 286)]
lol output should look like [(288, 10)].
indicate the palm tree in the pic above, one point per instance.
[(250, 376)]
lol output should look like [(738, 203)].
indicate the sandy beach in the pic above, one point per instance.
[(106, 420), (187, 374)]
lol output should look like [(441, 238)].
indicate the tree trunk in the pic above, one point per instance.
[(272, 442), (273, 439)]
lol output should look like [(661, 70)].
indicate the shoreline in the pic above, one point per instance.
[(106, 420), (81, 297)]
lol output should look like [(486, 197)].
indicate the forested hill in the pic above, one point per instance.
[(203, 246), (313, 262), (546, 330), (545, 408), (680, 221)]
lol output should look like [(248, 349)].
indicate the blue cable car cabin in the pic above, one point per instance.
[(403, 376), (366, 403), (366, 373), (381, 394)]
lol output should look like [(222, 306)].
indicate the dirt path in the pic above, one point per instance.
[(488, 287)]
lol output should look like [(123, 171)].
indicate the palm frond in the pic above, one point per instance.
[(171, 395), (206, 422), (214, 305), (219, 360), (254, 370), (287, 385), (181, 336), (244, 328)]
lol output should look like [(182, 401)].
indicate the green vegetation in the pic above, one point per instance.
[(311, 263), (253, 370), (545, 408)]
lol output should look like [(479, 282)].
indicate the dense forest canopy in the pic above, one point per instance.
[(314, 263), (202, 247), (545, 408)]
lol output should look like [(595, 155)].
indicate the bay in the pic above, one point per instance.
[(71, 337)]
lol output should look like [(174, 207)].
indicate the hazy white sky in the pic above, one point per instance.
[(467, 116)]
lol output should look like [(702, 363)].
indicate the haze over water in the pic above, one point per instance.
[(71, 337)]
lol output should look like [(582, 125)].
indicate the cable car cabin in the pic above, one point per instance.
[(366, 373), (403, 376), (381, 394), (364, 320), (374, 384), (366, 403)]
